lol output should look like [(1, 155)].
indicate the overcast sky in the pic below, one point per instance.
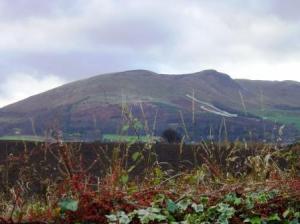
[(46, 43)]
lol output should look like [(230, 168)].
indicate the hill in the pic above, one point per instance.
[(89, 108)]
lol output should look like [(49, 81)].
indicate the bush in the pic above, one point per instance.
[(171, 136)]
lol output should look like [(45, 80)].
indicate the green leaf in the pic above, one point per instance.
[(150, 214), (226, 212), (123, 218), (254, 220), (124, 179), (68, 205), (184, 204), (198, 208), (112, 218), (204, 200), (171, 206), (262, 198), (120, 218), (136, 155), (274, 217), (233, 199)]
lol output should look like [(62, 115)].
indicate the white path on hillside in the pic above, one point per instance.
[(211, 108)]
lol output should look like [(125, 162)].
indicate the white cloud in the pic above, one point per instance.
[(20, 86), (247, 39), (286, 70)]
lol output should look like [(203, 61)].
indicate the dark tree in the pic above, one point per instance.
[(171, 136)]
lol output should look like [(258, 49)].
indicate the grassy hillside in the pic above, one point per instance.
[(96, 104)]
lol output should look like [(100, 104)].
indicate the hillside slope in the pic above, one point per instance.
[(91, 107)]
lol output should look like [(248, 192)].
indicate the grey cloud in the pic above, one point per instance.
[(288, 9), (132, 32), (74, 65), (24, 9)]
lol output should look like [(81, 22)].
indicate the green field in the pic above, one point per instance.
[(284, 117), (105, 138), (26, 138), (128, 138)]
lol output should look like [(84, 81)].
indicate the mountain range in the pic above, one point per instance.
[(201, 105)]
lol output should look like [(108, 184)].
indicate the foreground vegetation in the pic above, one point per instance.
[(233, 183)]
